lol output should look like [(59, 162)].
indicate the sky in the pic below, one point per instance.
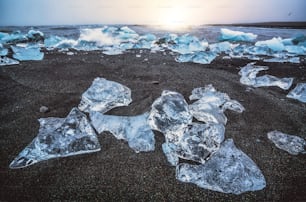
[(162, 12)]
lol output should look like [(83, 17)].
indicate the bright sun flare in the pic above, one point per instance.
[(174, 18)]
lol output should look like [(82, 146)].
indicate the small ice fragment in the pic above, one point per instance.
[(138, 56), (134, 129), (43, 109), (103, 95), (248, 77), (233, 105), (112, 51), (295, 60), (186, 44), (27, 53), (230, 35), (198, 57), (59, 137), (225, 47), (169, 113), (70, 53), (298, 93), (290, 143), (229, 170), (3, 51), (7, 61), (275, 44)]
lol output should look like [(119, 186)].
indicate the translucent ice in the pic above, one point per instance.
[(27, 53), (60, 42), (200, 141), (7, 61), (198, 57), (249, 77), (295, 60), (186, 44), (134, 129), (225, 47), (104, 95), (275, 44), (169, 113), (229, 170), (298, 93), (59, 137), (290, 143), (3, 51), (169, 150), (230, 35), (211, 104)]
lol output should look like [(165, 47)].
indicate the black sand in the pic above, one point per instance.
[(117, 173)]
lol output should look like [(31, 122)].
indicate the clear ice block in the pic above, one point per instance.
[(169, 113), (229, 170), (59, 137), (134, 129), (103, 95), (290, 143), (27, 53)]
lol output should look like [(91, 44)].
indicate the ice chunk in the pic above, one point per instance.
[(198, 57), (35, 36), (60, 42), (98, 37), (230, 35), (7, 61), (134, 129), (225, 47), (295, 60), (298, 93), (275, 44), (103, 95), (15, 37), (3, 51), (169, 113), (290, 143), (186, 44), (211, 104), (59, 137), (112, 51), (27, 53), (169, 150), (229, 170), (248, 77), (297, 50)]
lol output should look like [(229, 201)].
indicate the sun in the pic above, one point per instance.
[(174, 18)]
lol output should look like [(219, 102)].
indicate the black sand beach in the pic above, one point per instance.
[(117, 173)]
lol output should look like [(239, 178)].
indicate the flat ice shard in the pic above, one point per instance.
[(198, 143), (7, 61), (229, 170), (59, 137), (295, 60), (103, 95), (249, 77), (290, 143), (27, 53), (211, 104), (198, 57), (230, 35), (134, 129), (298, 93), (275, 44), (169, 113)]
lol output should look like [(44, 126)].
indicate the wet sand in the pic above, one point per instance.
[(117, 173)]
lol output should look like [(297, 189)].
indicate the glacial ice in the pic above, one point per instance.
[(230, 35), (295, 60), (222, 47), (103, 95), (199, 141), (298, 93), (27, 53), (211, 104), (59, 137), (7, 61), (275, 44), (290, 143), (59, 42), (229, 170), (169, 113), (134, 129), (3, 51), (18, 37), (248, 77), (186, 44), (198, 57)]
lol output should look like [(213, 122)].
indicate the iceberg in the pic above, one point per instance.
[(104, 95), (290, 143), (275, 44), (59, 137), (169, 113), (198, 57), (249, 77), (134, 129), (230, 35), (229, 170), (298, 93), (7, 61), (27, 53)]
